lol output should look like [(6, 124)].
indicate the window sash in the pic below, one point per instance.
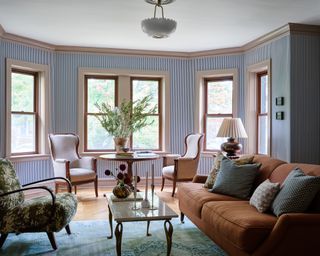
[(158, 114), (261, 114), (88, 114), (34, 113), (213, 115)]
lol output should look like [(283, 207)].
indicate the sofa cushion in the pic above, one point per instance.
[(297, 193), (264, 195), (196, 195), (238, 222), (245, 159), (235, 180)]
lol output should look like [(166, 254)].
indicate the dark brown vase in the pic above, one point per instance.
[(121, 190)]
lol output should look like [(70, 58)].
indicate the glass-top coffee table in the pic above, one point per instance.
[(122, 212)]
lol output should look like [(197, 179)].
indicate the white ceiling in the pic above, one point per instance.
[(202, 24)]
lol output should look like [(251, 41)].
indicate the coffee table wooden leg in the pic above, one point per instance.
[(118, 234), (169, 230), (148, 225), (110, 223)]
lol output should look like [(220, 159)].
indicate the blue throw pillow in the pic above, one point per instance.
[(235, 180), (297, 193)]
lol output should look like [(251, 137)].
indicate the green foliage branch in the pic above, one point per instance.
[(129, 117)]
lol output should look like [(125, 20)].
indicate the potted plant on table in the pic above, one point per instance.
[(122, 121)]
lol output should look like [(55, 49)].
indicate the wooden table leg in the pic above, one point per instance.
[(118, 234), (110, 223), (168, 230)]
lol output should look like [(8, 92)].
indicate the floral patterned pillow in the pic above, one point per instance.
[(215, 168)]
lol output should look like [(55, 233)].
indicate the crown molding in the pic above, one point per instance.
[(271, 36), (27, 41), (290, 28), (115, 51)]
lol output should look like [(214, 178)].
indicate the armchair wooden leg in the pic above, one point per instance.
[(174, 187), (3, 239), (162, 185), (96, 186), (52, 240), (75, 189), (68, 229)]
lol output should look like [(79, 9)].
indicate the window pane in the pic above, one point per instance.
[(219, 97), (97, 136), (100, 90), (22, 92), (263, 135), (264, 94), (213, 125), (23, 132), (147, 137), (143, 88)]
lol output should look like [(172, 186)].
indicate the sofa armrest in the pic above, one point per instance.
[(293, 233), (200, 179)]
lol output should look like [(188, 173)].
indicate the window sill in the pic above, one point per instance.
[(97, 154), (23, 158)]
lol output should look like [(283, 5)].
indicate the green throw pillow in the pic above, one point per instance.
[(235, 180), (297, 193), (246, 159)]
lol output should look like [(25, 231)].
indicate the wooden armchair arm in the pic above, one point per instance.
[(169, 159)]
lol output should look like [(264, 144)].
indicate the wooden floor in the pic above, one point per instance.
[(92, 208)]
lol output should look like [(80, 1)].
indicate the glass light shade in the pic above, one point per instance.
[(158, 27)]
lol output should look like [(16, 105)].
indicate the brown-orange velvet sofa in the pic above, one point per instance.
[(239, 229)]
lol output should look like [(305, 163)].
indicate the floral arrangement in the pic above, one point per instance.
[(122, 176), (129, 117)]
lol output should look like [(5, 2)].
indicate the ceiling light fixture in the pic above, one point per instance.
[(158, 27)]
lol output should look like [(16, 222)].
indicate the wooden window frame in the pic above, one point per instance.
[(159, 114), (206, 114), (259, 113), (86, 113), (34, 113)]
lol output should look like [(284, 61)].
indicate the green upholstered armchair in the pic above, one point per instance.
[(48, 214)]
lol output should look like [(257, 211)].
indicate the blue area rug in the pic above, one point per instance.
[(90, 238)]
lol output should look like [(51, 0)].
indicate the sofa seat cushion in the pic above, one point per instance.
[(196, 195), (239, 223)]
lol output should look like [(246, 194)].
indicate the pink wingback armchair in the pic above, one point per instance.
[(183, 168), (68, 163)]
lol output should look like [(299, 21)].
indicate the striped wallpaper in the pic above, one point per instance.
[(64, 81), (305, 95)]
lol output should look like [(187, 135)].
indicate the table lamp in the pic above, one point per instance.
[(231, 128)]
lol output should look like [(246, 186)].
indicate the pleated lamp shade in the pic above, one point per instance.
[(232, 127)]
